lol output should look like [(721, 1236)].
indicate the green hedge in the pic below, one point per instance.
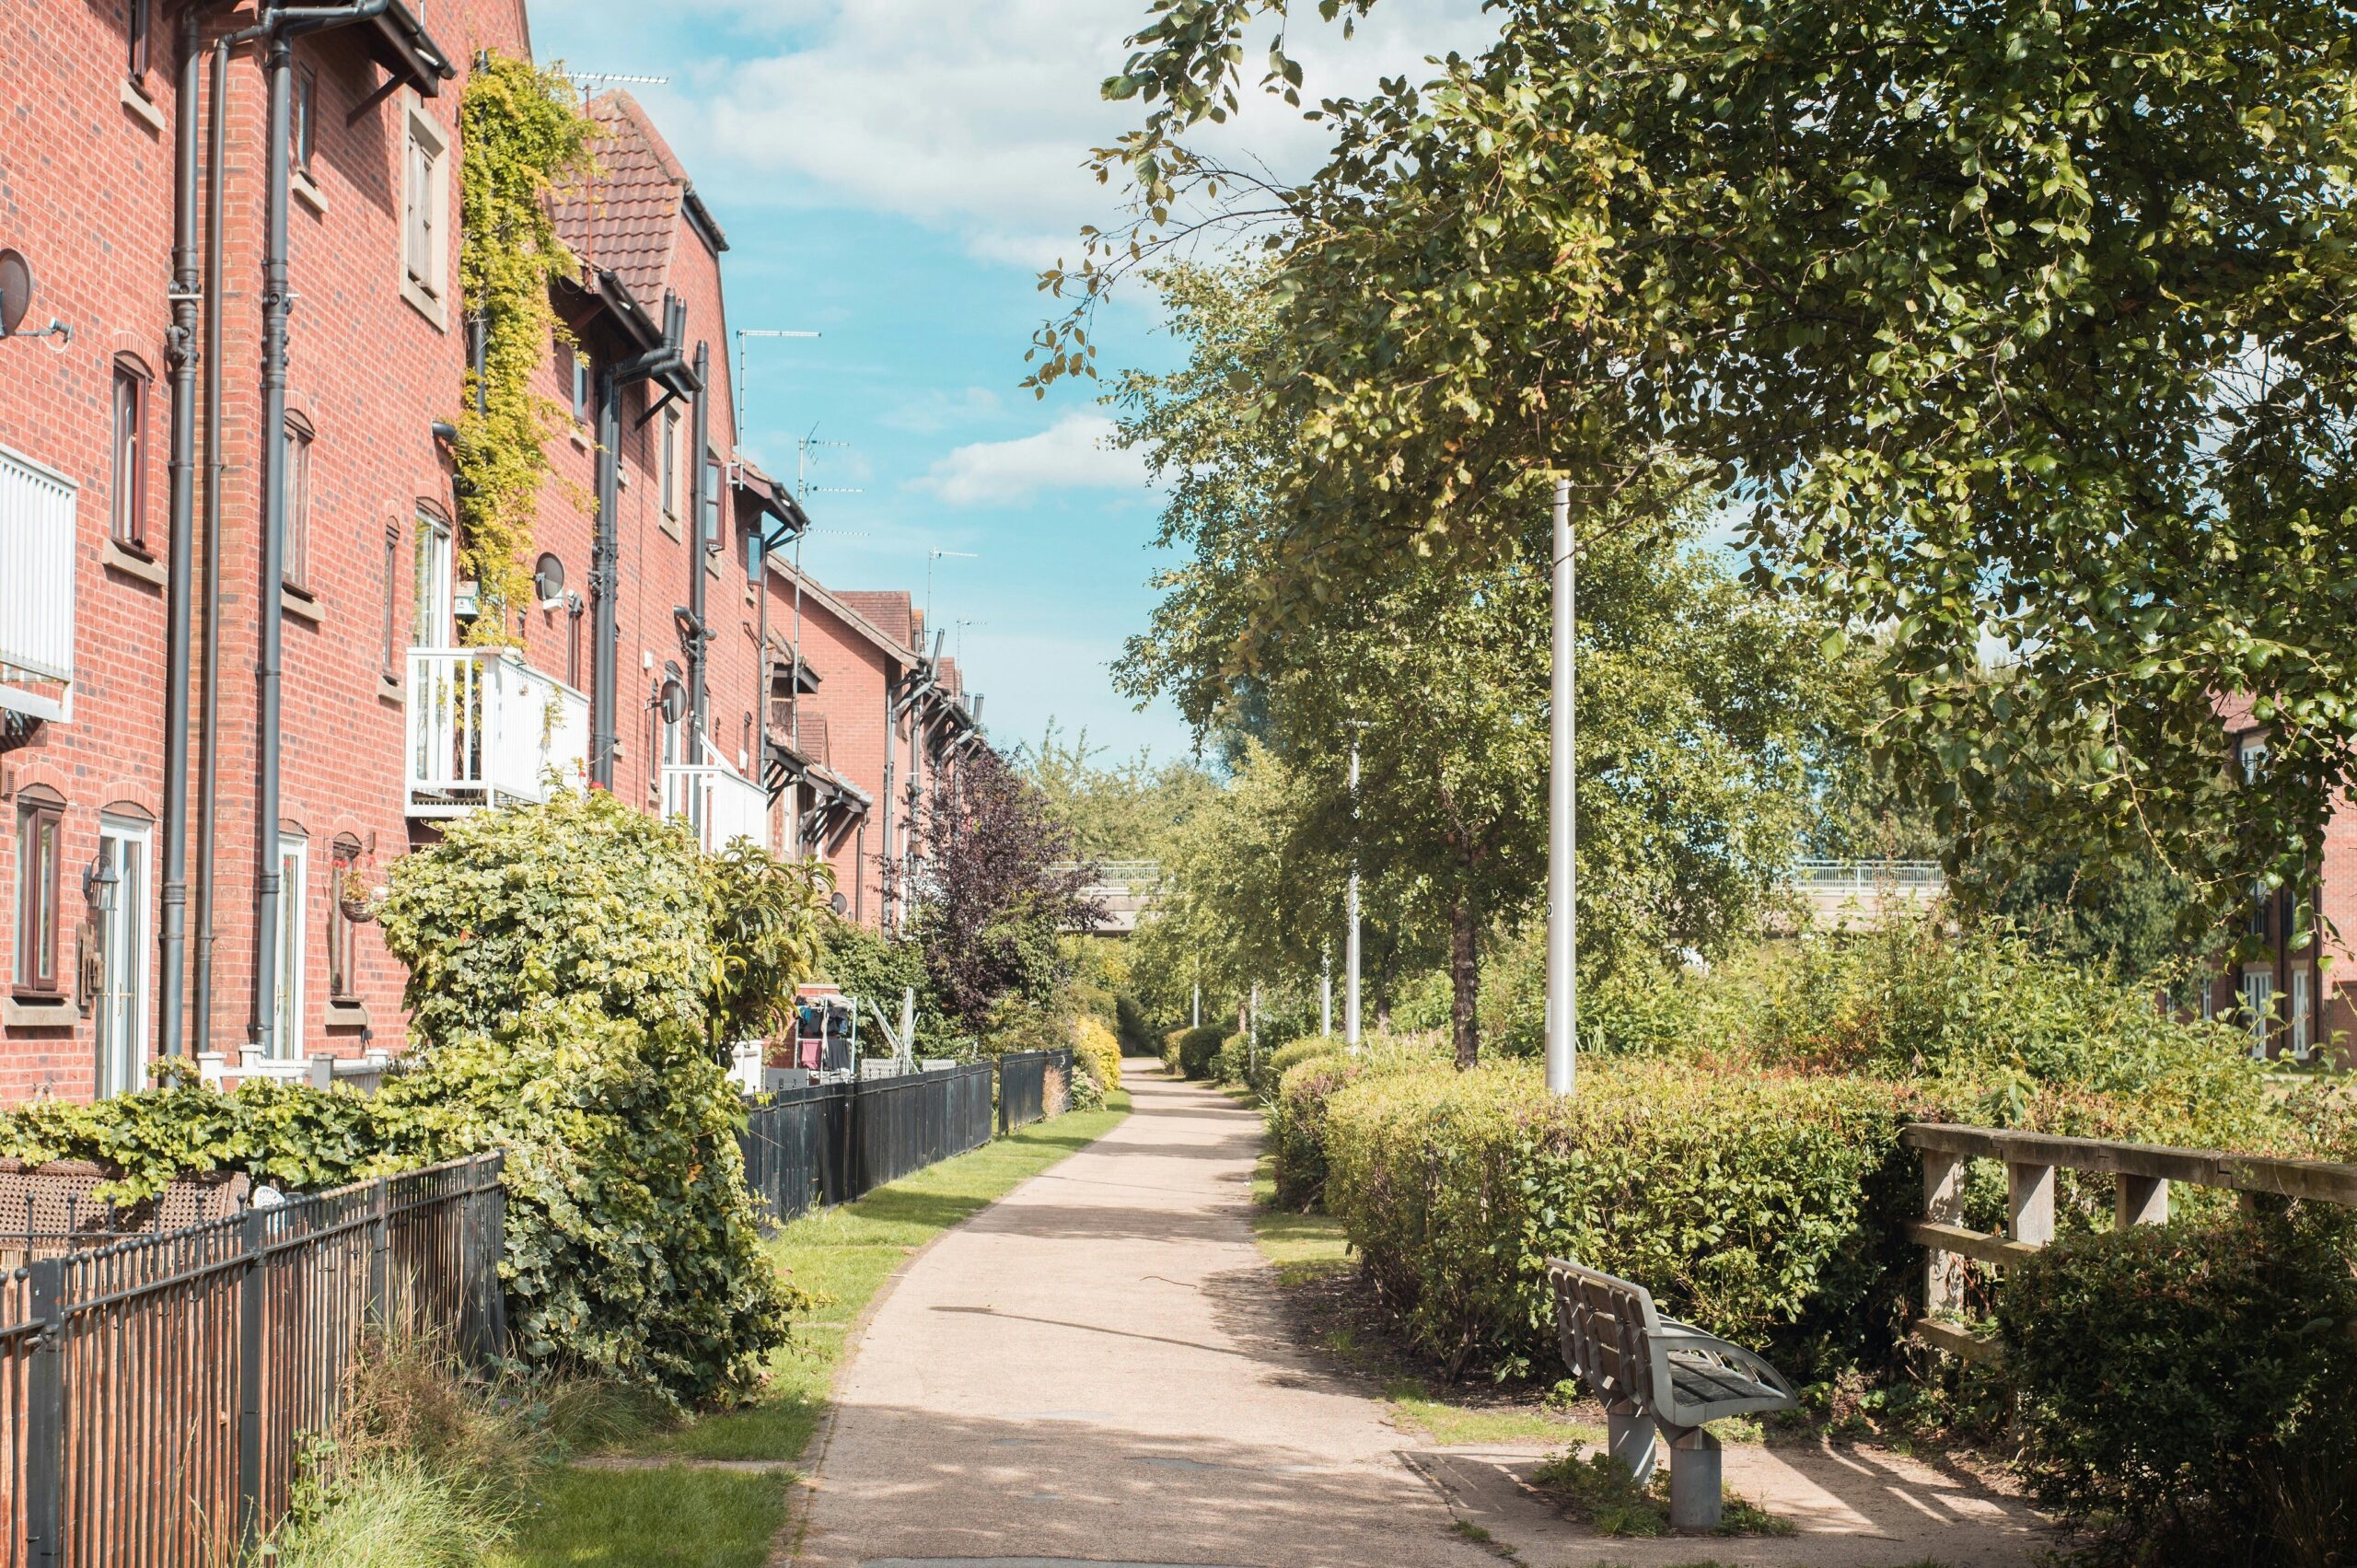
[(2195, 1385), (1763, 1207), (1193, 1052)]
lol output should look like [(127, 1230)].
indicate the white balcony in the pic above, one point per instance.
[(721, 803), (37, 507), (487, 729)]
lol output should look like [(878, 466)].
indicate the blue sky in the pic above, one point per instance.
[(892, 174)]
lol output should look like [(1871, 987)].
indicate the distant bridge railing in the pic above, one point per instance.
[(1916, 876)]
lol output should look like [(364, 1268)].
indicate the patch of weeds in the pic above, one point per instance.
[(1342, 1341), (1414, 1408), (1743, 1429), (1599, 1491), (1468, 1531)]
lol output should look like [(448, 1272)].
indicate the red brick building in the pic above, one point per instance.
[(140, 580)]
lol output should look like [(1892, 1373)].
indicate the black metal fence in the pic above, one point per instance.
[(154, 1392), (1032, 1085), (833, 1142)]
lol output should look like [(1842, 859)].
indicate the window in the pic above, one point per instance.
[(2301, 1006), (2259, 1007), (2259, 907), (710, 538), (430, 584), (2254, 759), (122, 971), (424, 198), (392, 594), (143, 22), (130, 486), (286, 1010), (344, 870), (295, 563), (300, 126), (40, 827), (583, 382), (670, 462)]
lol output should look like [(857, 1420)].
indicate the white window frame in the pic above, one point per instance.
[(293, 921), (123, 988), (438, 605), (2258, 993), (670, 468), (425, 196), (2302, 1011)]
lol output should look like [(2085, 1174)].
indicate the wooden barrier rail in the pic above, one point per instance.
[(2144, 1172)]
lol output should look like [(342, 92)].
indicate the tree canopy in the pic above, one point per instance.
[(2016, 328)]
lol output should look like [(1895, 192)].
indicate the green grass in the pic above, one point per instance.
[(1302, 1247), (675, 1516), (844, 1255), (1414, 1408), (1599, 1490)]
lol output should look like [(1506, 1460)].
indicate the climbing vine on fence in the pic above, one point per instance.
[(521, 134)]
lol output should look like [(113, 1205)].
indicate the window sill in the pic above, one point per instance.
[(580, 437), (146, 114), (307, 190), (347, 1014), (669, 524), (301, 603), (389, 688), (25, 1013), (712, 563), (426, 305), (118, 557)]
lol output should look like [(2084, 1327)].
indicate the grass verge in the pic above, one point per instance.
[(667, 1517)]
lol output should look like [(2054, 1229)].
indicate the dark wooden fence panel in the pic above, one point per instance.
[(1032, 1085)]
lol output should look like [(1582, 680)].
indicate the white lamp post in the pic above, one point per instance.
[(1562, 821)]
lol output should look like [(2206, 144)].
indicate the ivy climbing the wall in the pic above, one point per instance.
[(522, 134)]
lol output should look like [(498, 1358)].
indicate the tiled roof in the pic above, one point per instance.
[(889, 611), (625, 220), (814, 739)]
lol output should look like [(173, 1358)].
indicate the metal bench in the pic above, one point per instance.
[(1656, 1372)]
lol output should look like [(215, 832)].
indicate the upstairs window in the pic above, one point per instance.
[(301, 125), (343, 894), (670, 462), (142, 20), (41, 826), (296, 563), (425, 197), (583, 381), (129, 490)]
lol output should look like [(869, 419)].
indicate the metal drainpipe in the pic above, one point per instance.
[(700, 432), (262, 1023), (884, 832), (605, 631), (172, 959)]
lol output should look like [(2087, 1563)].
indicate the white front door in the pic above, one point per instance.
[(122, 989), (293, 860), (2259, 1007)]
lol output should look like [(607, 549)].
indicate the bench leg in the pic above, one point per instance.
[(1694, 1481), (1629, 1438)]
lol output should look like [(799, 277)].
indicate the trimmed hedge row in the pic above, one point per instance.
[(1762, 1208), (1191, 1051)]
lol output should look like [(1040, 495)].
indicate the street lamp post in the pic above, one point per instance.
[(1563, 819), (1350, 939)]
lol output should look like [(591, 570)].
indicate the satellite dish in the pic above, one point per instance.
[(842, 904), (673, 700), (548, 579), (15, 290)]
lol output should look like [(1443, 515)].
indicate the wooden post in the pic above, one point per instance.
[(1942, 1205), (2030, 1202), (2140, 1199)]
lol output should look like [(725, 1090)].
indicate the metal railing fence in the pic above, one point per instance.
[(901, 1125), (155, 1393), (833, 1142), (1027, 1086)]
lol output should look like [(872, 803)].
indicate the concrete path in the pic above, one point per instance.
[(1093, 1370)]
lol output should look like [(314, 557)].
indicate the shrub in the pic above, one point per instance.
[(1297, 1110), (1196, 1048), (1756, 1209), (1096, 1052), (1129, 1024), (2196, 1383), (1275, 1063), (1233, 1061)]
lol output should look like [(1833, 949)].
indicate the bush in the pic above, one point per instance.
[(2196, 1383), (1762, 1212), (1191, 1051), (1233, 1061), (1129, 1024), (1275, 1063), (1097, 1053)]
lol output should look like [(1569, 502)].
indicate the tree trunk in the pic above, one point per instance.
[(1463, 980)]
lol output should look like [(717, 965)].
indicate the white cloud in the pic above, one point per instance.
[(937, 410), (1071, 454), (974, 119)]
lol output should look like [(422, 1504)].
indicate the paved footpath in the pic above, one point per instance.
[(1091, 1370)]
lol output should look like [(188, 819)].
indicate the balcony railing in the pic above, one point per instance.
[(721, 803), (487, 729), (37, 507)]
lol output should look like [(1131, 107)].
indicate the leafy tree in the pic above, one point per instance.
[(2024, 322), (1120, 810), (989, 900), (1699, 701)]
